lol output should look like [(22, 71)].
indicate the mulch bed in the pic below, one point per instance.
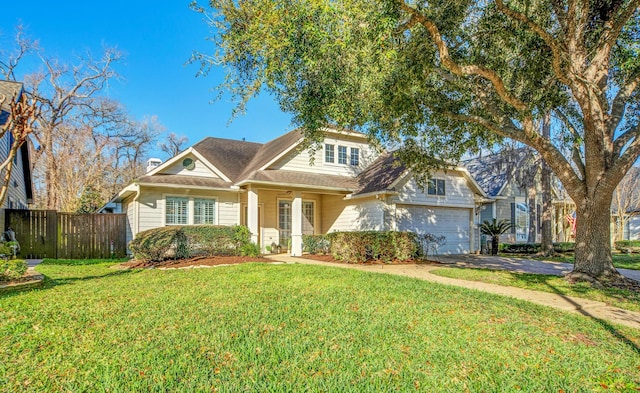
[(197, 261), (330, 258)]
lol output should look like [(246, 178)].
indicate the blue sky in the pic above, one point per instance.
[(157, 38)]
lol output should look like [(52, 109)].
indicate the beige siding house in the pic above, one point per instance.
[(280, 193)]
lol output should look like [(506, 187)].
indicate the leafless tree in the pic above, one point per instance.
[(81, 136), (173, 144)]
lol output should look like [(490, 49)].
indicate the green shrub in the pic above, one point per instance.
[(158, 244), (316, 244), (520, 248), (564, 247), (12, 269), (179, 242), (212, 240), (532, 248), (250, 250), (358, 247), (628, 246)]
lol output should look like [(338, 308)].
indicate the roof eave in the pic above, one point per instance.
[(292, 185)]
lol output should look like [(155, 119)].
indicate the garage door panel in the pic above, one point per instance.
[(451, 223)]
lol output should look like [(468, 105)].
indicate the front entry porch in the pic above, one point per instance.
[(279, 217)]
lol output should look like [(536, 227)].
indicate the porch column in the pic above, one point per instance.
[(296, 224), (252, 214)]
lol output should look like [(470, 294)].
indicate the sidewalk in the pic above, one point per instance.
[(589, 308)]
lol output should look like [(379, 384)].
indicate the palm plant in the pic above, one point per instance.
[(495, 229)]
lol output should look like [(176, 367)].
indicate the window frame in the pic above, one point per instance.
[(354, 158), (343, 158), (190, 211), (329, 153), (214, 213), (434, 189)]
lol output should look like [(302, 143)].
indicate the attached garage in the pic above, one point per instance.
[(453, 223)]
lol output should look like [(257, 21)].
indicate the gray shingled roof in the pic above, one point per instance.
[(181, 180), (310, 179), (381, 174), (8, 89), (228, 155), (487, 173), (271, 150)]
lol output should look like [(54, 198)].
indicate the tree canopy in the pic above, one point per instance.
[(446, 77)]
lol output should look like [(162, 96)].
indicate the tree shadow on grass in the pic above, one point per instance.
[(545, 280), (50, 282)]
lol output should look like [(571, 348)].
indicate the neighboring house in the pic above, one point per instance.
[(508, 201), (20, 192), (276, 191)]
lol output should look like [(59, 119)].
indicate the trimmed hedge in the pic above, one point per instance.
[(178, 242), (12, 269), (362, 246), (628, 246), (532, 248), (316, 244)]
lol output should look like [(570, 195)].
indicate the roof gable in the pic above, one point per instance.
[(230, 156)]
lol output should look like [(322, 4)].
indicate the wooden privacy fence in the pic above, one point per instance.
[(50, 234)]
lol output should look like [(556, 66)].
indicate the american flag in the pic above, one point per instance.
[(571, 219)]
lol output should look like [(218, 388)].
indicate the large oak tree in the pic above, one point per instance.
[(446, 76)]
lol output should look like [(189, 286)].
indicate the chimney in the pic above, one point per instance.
[(153, 163)]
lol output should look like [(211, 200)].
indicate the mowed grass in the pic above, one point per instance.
[(287, 328), (621, 298), (623, 261)]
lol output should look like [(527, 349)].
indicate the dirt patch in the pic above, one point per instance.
[(330, 258), (197, 261)]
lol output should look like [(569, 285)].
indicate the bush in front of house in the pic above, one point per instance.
[(12, 269), (315, 244), (532, 248), (178, 242), (628, 246), (212, 240), (362, 246), (158, 244)]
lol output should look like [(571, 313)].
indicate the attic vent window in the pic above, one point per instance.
[(188, 163)]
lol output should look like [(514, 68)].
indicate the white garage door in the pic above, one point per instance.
[(451, 222)]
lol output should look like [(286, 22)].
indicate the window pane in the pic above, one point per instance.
[(440, 184), (342, 154), (307, 218), (176, 212), (204, 211), (328, 153), (355, 156), (284, 221)]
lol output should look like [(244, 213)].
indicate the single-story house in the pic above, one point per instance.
[(279, 193)]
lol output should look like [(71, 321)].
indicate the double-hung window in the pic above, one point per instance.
[(436, 187), (204, 211), (177, 211), (355, 156), (187, 211), (329, 154), (342, 155)]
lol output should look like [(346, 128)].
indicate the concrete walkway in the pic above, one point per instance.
[(519, 265), (590, 308)]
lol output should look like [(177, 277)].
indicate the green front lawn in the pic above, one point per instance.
[(258, 327), (623, 261), (546, 283)]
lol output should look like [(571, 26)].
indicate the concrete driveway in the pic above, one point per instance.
[(519, 265)]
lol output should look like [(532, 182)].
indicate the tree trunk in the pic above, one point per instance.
[(495, 244), (546, 248), (593, 239)]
